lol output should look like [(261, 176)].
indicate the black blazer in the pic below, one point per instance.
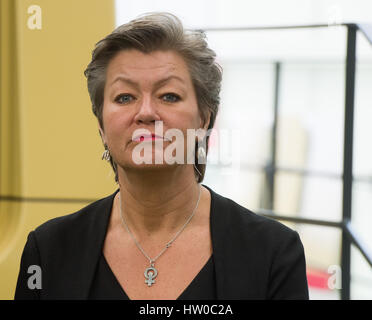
[(255, 257)]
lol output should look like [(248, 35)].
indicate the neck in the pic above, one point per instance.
[(157, 201)]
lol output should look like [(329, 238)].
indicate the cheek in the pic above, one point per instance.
[(114, 125), (193, 121), (189, 117)]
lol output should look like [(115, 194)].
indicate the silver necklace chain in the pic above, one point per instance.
[(151, 272)]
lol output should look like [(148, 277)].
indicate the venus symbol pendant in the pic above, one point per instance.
[(150, 275)]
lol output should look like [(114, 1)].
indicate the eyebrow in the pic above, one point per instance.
[(157, 84)]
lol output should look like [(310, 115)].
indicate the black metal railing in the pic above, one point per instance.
[(349, 236)]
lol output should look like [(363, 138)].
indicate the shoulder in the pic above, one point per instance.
[(269, 253), (246, 224), (75, 223), (251, 220), (235, 213)]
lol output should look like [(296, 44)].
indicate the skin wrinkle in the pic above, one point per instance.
[(157, 85), (157, 198)]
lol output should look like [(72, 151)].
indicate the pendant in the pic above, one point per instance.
[(150, 275)]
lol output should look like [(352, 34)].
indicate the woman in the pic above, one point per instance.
[(162, 234)]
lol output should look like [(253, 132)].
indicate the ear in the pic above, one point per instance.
[(206, 122)]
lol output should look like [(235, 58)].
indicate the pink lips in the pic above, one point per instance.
[(147, 137)]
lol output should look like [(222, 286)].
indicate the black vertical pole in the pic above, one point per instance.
[(348, 157), (272, 165)]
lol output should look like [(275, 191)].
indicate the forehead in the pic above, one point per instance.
[(137, 64)]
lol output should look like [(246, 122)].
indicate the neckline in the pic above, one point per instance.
[(206, 266), (211, 216)]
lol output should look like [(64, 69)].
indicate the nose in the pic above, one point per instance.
[(147, 112)]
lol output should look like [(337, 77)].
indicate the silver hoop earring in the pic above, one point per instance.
[(106, 155), (202, 155)]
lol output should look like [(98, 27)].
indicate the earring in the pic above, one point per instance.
[(106, 155), (197, 170), (202, 155)]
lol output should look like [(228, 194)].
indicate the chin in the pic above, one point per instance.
[(147, 167)]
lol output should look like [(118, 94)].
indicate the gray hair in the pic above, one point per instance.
[(160, 31)]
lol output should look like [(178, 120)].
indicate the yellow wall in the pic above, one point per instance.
[(49, 142)]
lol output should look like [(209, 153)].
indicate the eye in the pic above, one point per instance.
[(124, 98), (170, 97)]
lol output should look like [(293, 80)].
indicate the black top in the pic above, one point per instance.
[(105, 286), (254, 257)]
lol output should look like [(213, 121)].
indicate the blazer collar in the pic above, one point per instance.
[(218, 222), (93, 246)]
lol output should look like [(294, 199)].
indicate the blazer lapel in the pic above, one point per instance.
[(91, 245), (219, 235), (229, 240)]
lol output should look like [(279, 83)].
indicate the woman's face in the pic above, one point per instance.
[(141, 89)]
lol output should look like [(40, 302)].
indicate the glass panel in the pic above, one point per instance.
[(361, 277), (238, 147), (288, 45), (363, 110), (361, 212), (246, 108), (361, 272), (243, 188), (309, 196), (310, 120), (312, 117), (322, 247)]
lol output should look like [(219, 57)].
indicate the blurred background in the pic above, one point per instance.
[(280, 147)]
